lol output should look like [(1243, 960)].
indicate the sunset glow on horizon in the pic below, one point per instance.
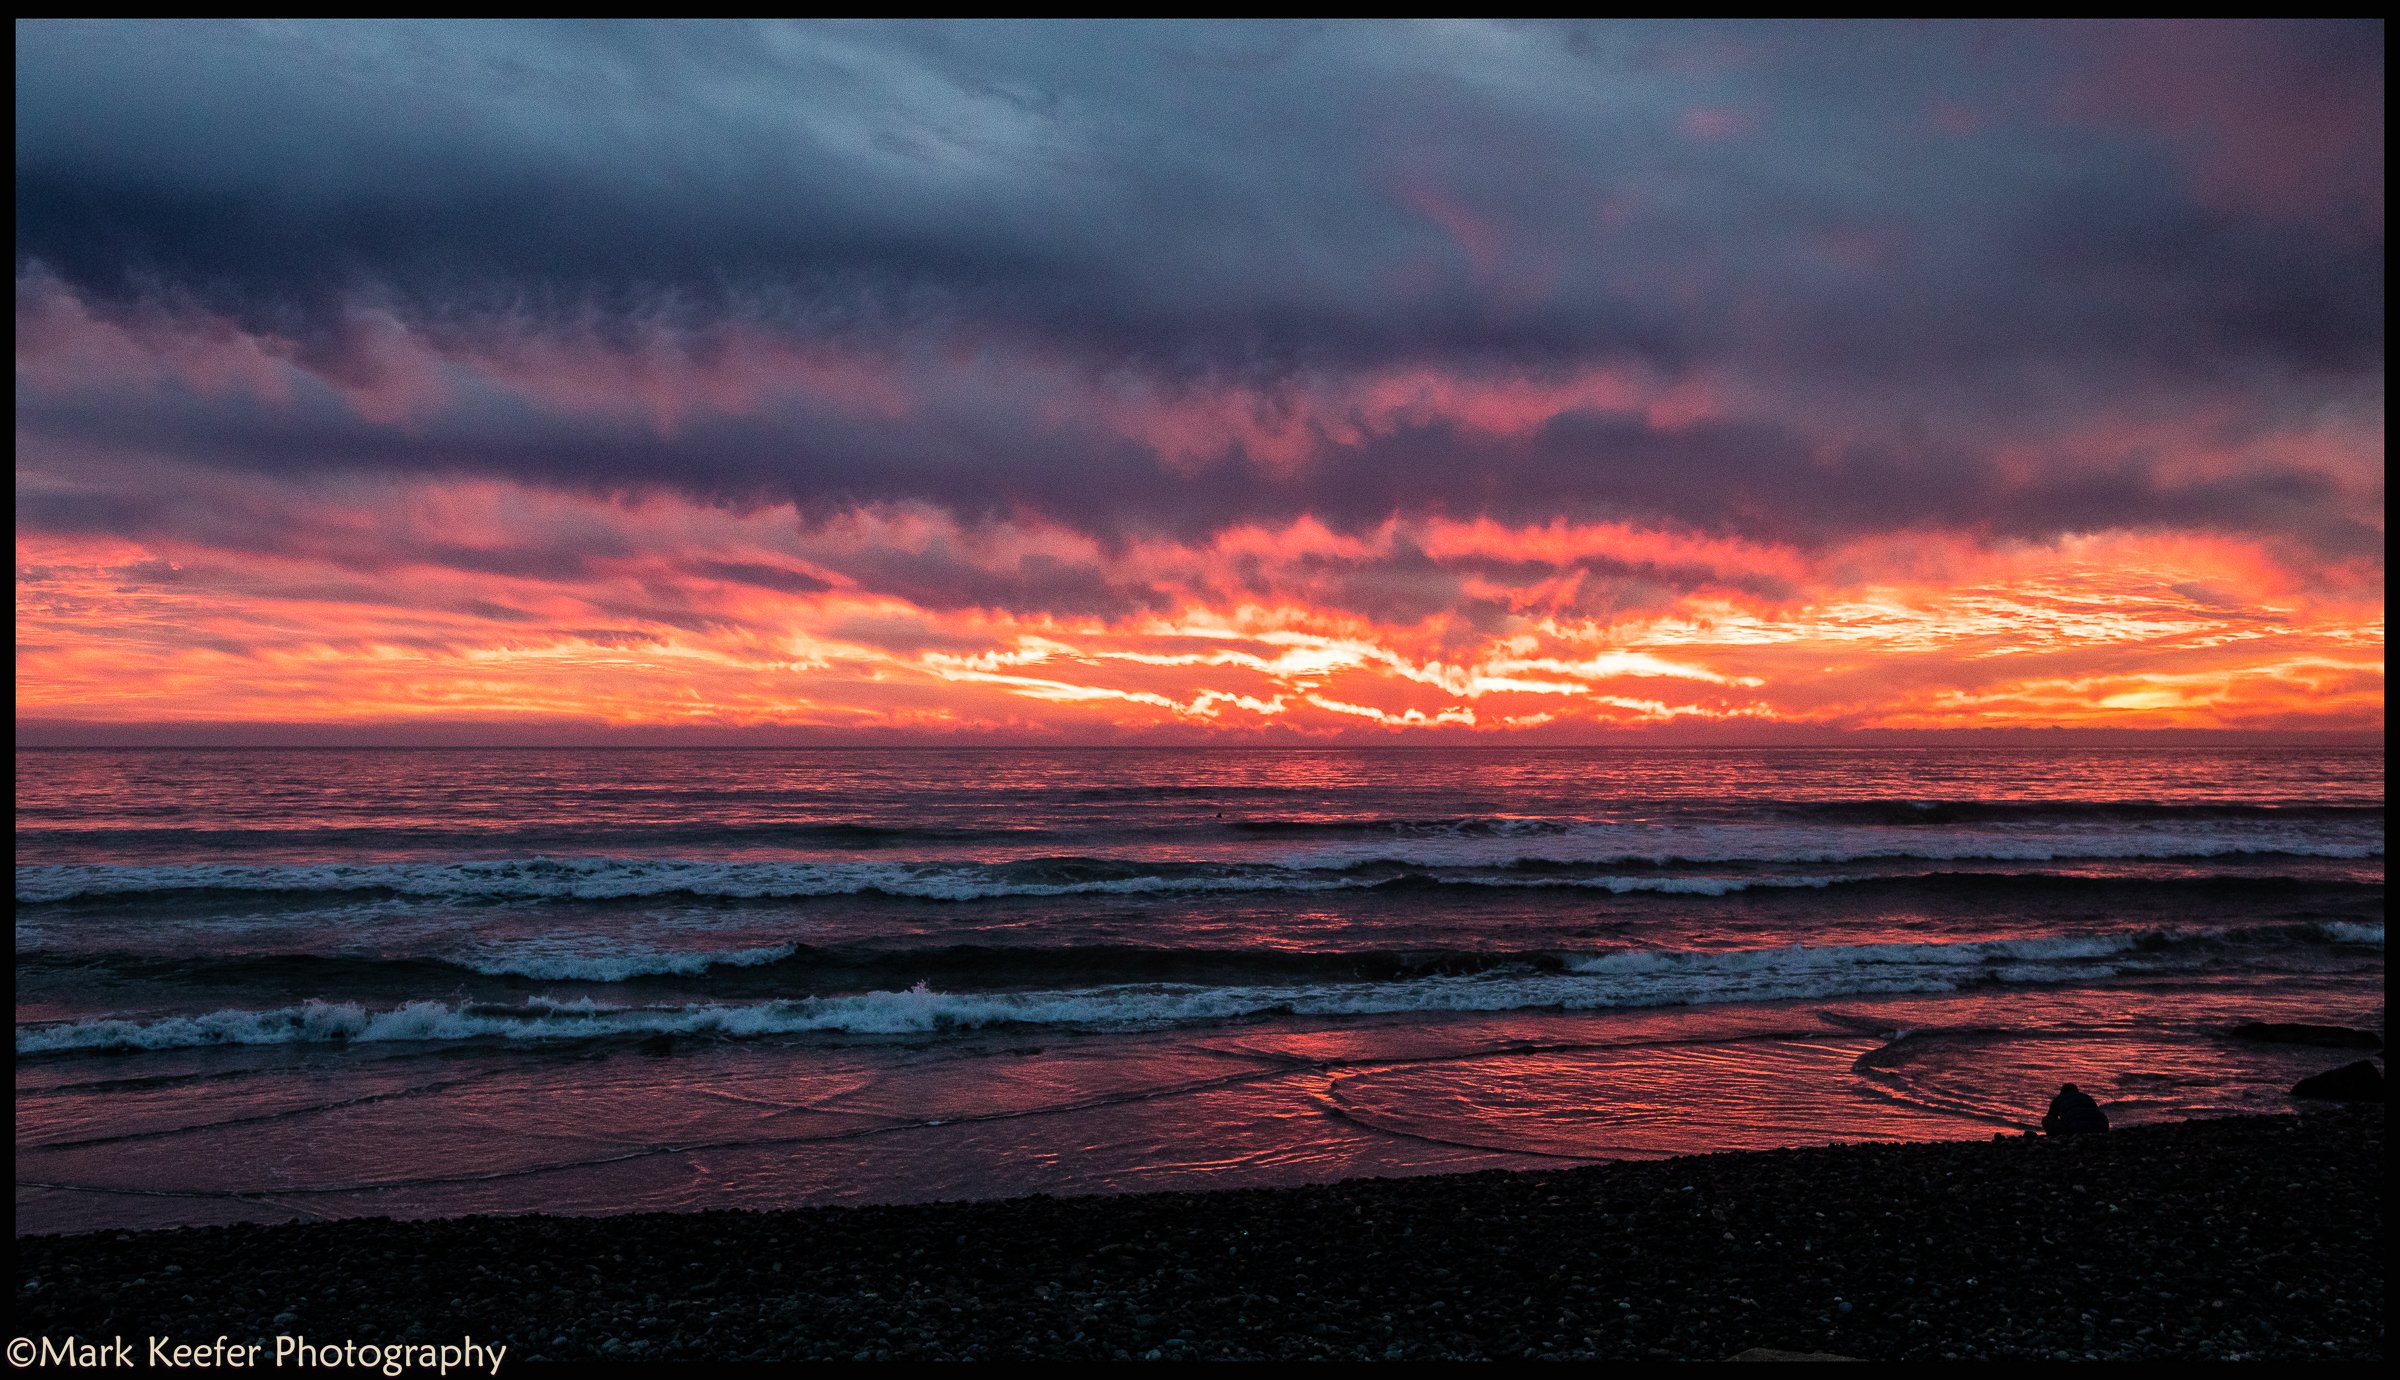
[(2089, 632), (955, 384)]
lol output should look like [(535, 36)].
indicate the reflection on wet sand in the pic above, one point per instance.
[(276, 1133)]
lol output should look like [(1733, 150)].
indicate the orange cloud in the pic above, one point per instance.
[(435, 602)]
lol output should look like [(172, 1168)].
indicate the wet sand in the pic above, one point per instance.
[(2243, 1237)]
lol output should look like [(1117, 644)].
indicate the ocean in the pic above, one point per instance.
[(274, 985)]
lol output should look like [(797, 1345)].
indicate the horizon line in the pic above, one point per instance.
[(264, 738)]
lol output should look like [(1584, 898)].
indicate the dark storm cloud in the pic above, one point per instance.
[(1899, 242), (1126, 190), (1756, 478)]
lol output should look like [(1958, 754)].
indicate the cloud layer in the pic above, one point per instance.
[(920, 375)]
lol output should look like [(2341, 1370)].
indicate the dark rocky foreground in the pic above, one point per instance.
[(2247, 1237)]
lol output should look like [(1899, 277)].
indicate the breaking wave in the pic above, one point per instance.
[(1554, 861), (1615, 979)]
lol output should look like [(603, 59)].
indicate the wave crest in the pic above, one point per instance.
[(1621, 978)]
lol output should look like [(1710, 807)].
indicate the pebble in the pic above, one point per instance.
[(1972, 1250)]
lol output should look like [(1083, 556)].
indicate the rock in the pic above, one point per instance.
[(2359, 1082), (2295, 1033)]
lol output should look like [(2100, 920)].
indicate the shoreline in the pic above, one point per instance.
[(2244, 1237)]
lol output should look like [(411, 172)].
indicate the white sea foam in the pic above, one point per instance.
[(602, 879), (1481, 861), (2351, 932), (1604, 844), (1627, 978), (1834, 958)]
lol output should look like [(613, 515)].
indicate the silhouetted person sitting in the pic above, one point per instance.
[(2074, 1113)]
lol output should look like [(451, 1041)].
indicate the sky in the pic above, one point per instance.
[(1132, 382)]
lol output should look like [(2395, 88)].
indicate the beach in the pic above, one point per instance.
[(769, 691), (2246, 1237), (1072, 1055)]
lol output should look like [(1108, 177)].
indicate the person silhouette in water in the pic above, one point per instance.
[(2073, 1113)]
